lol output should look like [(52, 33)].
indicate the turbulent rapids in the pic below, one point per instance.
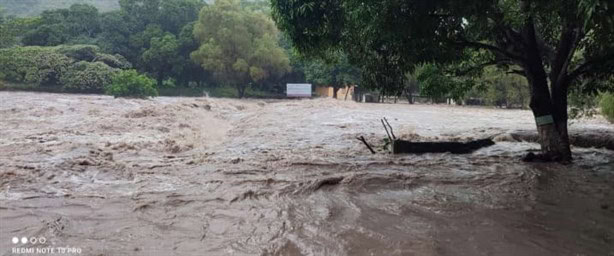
[(203, 176)]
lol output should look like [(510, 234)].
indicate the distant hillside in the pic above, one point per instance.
[(34, 7)]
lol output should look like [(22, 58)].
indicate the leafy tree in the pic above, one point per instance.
[(190, 71), (140, 13), (31, 8), (171, 15), (131, 30), (238, 46), (410, 87), (257, 5), (33, 65), (75, 68), (337, 73), (607, 106), (80, 52), (83, 19), (141, 41), (116, 31), (114, 60), (507, 90), (80, 22), (46, 35), (555, 45), (162, 56), (2, 14), (87, 77), (131, 84), (175, 14), (7, 36), (438, 86)]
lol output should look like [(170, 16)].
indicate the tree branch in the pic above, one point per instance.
[(361, 138), (481, 66), (492, 48), (568, 43), (586, 66), (517, 72)]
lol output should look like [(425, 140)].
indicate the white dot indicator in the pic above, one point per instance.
[(24, 240), (33, 240), (15, 240)]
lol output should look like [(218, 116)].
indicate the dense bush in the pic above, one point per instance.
[(510, 91), (607, 106), (87, 77), (79, 52), (33, 65), (114, 61), (93, 53), (75, 68), (131, 84)]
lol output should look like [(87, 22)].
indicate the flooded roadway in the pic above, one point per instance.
[(199, 176)]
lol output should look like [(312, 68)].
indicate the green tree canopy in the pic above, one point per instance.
[(162, 56), (238, 46), (336, 72), (557, 44), (62, 25), (11, 28)]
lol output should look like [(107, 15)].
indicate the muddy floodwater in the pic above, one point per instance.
[(204, 176)]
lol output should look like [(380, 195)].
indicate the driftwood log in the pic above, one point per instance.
[(408, 147)]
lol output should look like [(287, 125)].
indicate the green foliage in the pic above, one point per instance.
[(238, 46), (83, 19), (505, 90), (87, 77), (174, 14), (162, 56), (12, 28), (116, 31), (80, 52), (26, 8), (59, 26), (33, 65), (114, 61), (131, 84), (169, 83), (582, 104), (607, 106), (76, 68), (336, 72), (156, 36), (435, 84), (230, 92), (387, 38), (46, 35)]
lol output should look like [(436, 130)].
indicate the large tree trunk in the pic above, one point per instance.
[(550, 126), (410, 98), (241, 91), (335, 90), (550, 139), (559, 101)]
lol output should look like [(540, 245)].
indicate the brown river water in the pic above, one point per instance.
[(203, 176)]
